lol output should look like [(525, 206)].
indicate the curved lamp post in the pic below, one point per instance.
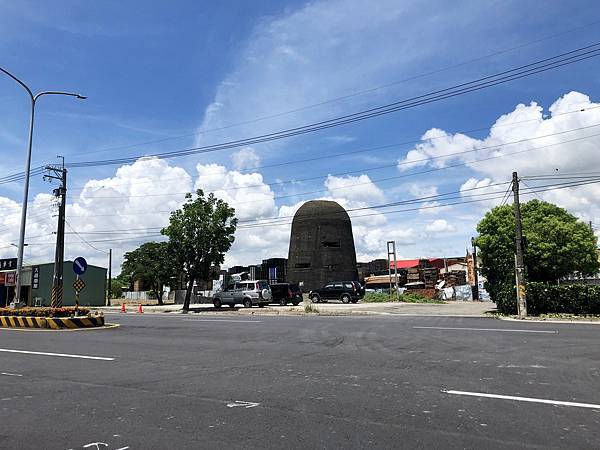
[(33, 97)]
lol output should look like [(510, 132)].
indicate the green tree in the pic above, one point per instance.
[(117, 284), (199, 235), (557, 244), (151, 264)]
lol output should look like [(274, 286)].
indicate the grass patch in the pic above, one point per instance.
[(379, 297), (418, 298)]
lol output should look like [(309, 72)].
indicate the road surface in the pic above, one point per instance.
[(177, 381)]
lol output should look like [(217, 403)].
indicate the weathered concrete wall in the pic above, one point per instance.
[(321, 245)]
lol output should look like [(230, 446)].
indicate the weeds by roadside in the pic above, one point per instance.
[(379, 297), (309, 307)]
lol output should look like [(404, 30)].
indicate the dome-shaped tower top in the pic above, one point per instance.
[(321, 245)]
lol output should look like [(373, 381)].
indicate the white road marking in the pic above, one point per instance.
[(241, 403), (11, 374), (524, 399), (503, 330), (62, 355), (221, 320)]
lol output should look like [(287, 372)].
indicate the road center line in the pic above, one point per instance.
[(502, 330), (221, 320), (524, 399), (62, 355), (11, 374)]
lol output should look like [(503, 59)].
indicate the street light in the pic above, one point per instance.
[(33, 97)]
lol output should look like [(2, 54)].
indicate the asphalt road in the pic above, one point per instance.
[(178, 382)]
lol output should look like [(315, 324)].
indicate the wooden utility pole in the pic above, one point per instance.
[(475, 275), (109, 293), (519, 259), (60, 174)]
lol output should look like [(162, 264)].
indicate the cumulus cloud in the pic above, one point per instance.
[(355, 188), (531, 142), (246, 192), (119, 212), (246, 158), (439, 226)]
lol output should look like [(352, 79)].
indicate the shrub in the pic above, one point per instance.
[(545, 298), (407, 297), (505, 297), (564, 298), (43, 312), (377, 297), (410, 297)]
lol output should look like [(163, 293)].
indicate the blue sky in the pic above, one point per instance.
[(163, 76)]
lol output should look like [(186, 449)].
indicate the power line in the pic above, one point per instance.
[(567, 58), (352, 94), (406, 163), (83, 240)]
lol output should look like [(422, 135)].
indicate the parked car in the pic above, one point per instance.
[(346, 291), (247, 293), (284, 293)]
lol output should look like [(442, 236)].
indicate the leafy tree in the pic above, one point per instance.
[(557, 244), (199, 235), (151, 264), (117, 284)]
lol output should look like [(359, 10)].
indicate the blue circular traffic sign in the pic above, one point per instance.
[(79, 265)]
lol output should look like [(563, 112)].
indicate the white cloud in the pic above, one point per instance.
[(246, 158), (246, 192), (354, 188), (563, 152), (439, 226), (132, 200)]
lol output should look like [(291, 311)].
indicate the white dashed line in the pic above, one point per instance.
[(221, 320), (11, 374), (524, 399), (62, 355), (502, 330)]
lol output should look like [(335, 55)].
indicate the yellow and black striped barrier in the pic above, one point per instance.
[(58, 323), (53, 323), (23, 322)]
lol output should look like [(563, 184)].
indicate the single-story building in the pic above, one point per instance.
[(36, 286)]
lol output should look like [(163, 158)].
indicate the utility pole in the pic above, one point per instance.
[(109, 276), (60, 174), (519, 259), (391, 249), (475, 275)]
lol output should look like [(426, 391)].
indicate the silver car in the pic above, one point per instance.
[(247, 293)]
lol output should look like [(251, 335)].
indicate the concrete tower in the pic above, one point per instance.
[(321, 245)]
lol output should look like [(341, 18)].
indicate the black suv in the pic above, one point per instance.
[(346, 291), (284, 293)]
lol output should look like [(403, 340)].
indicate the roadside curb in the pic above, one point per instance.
[(52, 323), (567, 322)]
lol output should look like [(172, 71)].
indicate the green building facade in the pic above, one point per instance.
[(94, 293)]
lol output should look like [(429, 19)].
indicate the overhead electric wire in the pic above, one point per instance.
[(566, 58), (413, 162), (83, 240), (353, 94)]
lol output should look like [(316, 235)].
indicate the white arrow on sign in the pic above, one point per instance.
[(241, 403)]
